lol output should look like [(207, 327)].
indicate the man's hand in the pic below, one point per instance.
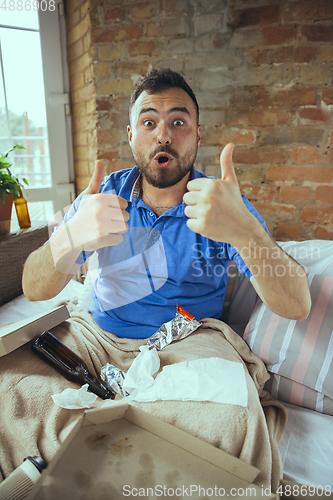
[(215, 207), (101, 217), (99, 222)]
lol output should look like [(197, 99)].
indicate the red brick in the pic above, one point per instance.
[(289, 98), (313, 116), (262, 55), (260, 155), (324, 193), (318, 214), (115, 15), (104, 103), (276, 212), (116, 34), (305, 54), (290, 232), (278, 35), (327, 97), (317, 33), (312, 174), (290, 194), (256, 16), (310, 11), (324, 233), (306, 156), (258, 192)]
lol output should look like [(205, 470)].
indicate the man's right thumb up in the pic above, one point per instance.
[(97, 178)]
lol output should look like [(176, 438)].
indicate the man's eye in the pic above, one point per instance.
[(178, 123), (148, 123)]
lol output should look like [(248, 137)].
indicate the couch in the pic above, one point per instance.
[(298, 355)]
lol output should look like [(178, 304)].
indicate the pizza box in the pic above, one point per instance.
[(118, 451), (16, 334)]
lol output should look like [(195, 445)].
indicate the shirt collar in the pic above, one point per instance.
[(132, 191)]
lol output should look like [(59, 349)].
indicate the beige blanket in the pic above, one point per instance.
[(31, 424)]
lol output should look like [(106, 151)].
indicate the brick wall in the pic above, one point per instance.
[(262, 73)]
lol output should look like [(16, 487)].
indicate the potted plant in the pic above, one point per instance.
[(10, 189)]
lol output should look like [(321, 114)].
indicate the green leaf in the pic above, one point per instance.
[(25, 181)]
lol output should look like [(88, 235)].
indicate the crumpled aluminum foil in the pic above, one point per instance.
[(113, 379), (182, 325)]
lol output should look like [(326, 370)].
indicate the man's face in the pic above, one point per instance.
[(164, 136)]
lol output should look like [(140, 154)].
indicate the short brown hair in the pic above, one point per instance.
[(156, 81)]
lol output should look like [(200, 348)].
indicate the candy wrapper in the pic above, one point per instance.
[(182, 325)]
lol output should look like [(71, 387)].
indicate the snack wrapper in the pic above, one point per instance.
[(182, 325)]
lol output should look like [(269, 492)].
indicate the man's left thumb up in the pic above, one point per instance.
[(227, 169)]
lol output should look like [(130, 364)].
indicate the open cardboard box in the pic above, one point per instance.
[(120, 451), (20, 332)]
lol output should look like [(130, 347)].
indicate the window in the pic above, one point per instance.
[(34, 110)]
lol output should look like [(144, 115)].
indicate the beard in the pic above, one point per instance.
[(163, 178)]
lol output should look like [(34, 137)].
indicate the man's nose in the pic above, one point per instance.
[(163, 134)]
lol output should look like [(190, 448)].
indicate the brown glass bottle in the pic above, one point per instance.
[(68, 364), (21, 207)]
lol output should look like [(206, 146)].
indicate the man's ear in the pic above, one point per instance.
[(129, 133), (199, 135)]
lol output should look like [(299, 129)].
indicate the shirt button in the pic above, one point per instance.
[(154, 232), (151, 214)]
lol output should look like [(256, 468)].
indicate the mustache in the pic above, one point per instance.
[(164, 149)]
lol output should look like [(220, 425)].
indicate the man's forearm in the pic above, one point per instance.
[(279, 280), (48, 270)]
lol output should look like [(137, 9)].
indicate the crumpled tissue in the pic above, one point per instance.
[(140, 374), (75, 399), (208, 379)]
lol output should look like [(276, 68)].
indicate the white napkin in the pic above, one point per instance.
[(140, 374), (208, 379), (74, 399)]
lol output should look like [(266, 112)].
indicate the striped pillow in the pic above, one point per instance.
[(298, 354)]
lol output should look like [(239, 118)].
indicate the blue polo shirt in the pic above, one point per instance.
[(159, 264)]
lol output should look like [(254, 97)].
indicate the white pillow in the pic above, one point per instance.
[(316, 256)]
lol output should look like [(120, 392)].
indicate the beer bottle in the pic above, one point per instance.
[(66, 362), (21, 207)]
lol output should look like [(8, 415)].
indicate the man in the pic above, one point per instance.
[(200, 225), (157, 235)]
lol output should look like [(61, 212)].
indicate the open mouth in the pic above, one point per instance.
[(163, 159)]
